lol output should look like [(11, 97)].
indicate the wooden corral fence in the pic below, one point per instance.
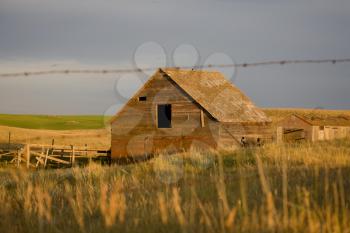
[(54, 156)]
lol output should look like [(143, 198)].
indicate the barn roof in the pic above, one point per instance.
[(217, 95), (321, 120)]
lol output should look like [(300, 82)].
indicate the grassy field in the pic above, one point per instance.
[(275, 188), (93, 130), (65, 130), (95, 138), (53, 122), (98, 122)]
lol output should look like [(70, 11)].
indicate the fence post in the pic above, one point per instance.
[(46, 157), (18, 158), (9, 146), (73, 156), (86, 154), (28, 155)]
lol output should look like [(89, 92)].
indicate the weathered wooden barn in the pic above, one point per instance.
[(313, 128), (179, 109)]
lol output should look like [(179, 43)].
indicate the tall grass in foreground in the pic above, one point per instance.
[(275, 188)]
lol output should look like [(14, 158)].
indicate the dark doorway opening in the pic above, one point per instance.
[(164, 115)]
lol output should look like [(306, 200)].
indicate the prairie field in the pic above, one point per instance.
[(274, 188), (53, 122), (299, 187), (93, 138), (94, 130)]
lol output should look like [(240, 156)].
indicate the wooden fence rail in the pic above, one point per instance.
[(44, 156)]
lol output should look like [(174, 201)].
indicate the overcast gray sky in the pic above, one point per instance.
[(59, 34)]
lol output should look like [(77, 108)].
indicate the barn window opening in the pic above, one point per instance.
[(142, 98), (164, 115)]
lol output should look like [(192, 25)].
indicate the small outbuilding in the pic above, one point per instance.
[(313, 128), (180, 109)]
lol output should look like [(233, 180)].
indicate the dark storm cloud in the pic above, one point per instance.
[(107, 32)]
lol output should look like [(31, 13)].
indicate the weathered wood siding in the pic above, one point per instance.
[(333, 132), (294, 122), (135, 132), (312, 132), (230, 134)]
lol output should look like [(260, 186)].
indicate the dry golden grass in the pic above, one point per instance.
[(274, 188), (96, 138)]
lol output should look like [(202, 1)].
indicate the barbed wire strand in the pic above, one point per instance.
[(138, 70)]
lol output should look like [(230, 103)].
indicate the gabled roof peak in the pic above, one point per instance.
[(217, 95)]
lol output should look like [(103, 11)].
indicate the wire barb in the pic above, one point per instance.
[(139, 70)]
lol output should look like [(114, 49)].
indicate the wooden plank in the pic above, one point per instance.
[(288, 131), (27, 150), (202, 118), (8, 153), (39, 160), (73, 156), (156, 116), (9, 139), (51, 158), (46, 156), (86, 154), (18, 158), (63, 147)]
